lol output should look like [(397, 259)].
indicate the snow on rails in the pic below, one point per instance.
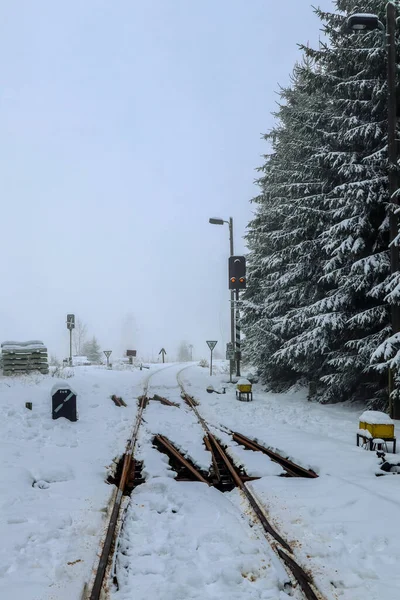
[(223, 473)]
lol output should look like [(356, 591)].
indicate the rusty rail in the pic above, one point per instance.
[(290, 467), (172, 450), (283, 550), (109, 539)]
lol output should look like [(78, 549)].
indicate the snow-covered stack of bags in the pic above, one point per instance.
[(24, 357)]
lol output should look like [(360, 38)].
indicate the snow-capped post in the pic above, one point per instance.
[(211, 345), (367, 22), (63, 400)]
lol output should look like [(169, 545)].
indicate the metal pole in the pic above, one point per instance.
[(211, 362), (231, 249), (70, 347), (237, 335), (392, 172)]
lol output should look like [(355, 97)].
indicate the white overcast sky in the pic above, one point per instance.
[(124, 126)]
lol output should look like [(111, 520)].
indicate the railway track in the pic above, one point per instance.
[(281, 547), (98, 587), (226, 476), (128, 465)]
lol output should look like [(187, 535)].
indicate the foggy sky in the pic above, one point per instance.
[(124, 126)]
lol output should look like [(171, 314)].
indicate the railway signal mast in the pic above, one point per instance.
[(237, 282), (70, 327)]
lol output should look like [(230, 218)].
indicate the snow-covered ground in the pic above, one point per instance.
[(186, 540), (52, 490), (181, 539), (343, 524)]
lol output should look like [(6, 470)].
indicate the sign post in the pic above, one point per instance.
[(162, 351), (70, 326), (211, 345), (230, 355), (237, 281), (131, 354), (108, 354)]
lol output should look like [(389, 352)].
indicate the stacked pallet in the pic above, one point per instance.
[(24, 357)]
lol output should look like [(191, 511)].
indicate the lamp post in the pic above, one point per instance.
[(367, 22), (215, 221)]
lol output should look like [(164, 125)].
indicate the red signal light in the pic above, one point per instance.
[(233, 279), (241, 279)]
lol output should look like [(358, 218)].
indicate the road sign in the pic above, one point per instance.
[(131, 352), (230, 351), (108, 354), (70, 322), (163, 352), (211, 344)]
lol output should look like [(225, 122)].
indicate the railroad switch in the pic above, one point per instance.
[(134, 478)]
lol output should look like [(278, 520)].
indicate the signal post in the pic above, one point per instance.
[(237, 282)]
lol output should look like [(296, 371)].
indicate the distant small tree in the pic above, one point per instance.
[(53, 361), (183, 352), (79, 337), (92, 350)]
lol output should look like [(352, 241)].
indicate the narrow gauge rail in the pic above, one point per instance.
[(127, 467), (280, 546), (290, 467)]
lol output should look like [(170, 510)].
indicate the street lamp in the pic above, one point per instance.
[(367, 22), (215, 221), (364, 22)]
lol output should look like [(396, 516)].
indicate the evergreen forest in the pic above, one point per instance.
[(320, 289)]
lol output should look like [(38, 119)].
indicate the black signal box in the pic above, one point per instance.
[(237, 273)]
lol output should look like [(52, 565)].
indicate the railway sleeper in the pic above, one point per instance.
[(164, 401), (222, 478), (134, 478), (185, 469), (189, 400)]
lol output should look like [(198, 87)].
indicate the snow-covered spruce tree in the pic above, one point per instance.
[(352, 70), (345, 317), (92, 350), (183, 352), (284, 263)]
